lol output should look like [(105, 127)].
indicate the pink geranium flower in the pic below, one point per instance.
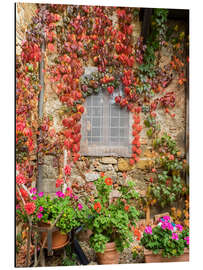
[(179, 227), (40, 194), (41, 209), (174, 236), (40, 215), (169, 226), (33, 190), (80, 207), (187, 240), (166, 218), (148, 230), (60, 194)]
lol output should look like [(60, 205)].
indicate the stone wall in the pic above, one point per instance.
[(24, 14), (116, 168)]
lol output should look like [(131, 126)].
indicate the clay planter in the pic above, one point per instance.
[(109, 256), (152, 258), (59, 239)]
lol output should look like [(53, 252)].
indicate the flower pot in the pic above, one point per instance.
[(152, 258), (109, 256), (59, 239)]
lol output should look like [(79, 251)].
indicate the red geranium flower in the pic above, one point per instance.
[(108, 181), (20, 179), (30, 208), (126, 207), (67, 170), (102, 174), (59, 182), (97, 207), (137, 234)]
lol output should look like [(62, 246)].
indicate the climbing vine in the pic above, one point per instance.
[(78, 36)]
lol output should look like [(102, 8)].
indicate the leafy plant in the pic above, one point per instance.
[(71, 257), (111, 219), (168, 184)]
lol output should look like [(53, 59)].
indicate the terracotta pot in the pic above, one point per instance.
[(152, 258), (109, 256), (59, 239)]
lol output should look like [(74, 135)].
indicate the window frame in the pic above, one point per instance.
[(87, 149)]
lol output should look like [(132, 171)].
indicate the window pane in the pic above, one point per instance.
[(96, 132), (124, 122), (114, 122), (96, 122)]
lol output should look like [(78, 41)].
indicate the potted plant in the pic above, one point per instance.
[(166, 242), (44, 211), (112, 213)]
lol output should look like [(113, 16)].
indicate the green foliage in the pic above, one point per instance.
[(71, 257), (71, 218), (153, 126), (111, 223), (168, 185)]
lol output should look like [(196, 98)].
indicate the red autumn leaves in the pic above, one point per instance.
[(72, 134), (136, 141)]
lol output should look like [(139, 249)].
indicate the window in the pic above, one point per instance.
[(106, 129)]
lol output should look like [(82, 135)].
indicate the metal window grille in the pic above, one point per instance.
[(105, 126)]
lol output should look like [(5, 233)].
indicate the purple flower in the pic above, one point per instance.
[(148, 230), (80, 207), (41, 209), (40, 215), (33, 191), (40, 194), (34, 198), (179, 227), (174, 236), (187, 240)]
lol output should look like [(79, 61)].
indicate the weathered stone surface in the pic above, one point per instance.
[(48, 160), (49, 172), (108, 160), (49, 185), (123, 165), (144, 163), (91, 176), (24, 14)]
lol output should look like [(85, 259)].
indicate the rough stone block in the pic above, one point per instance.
[(49, 185), (108, 160), (144, 164), (50, 172), (91, 176), (123, 165)]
